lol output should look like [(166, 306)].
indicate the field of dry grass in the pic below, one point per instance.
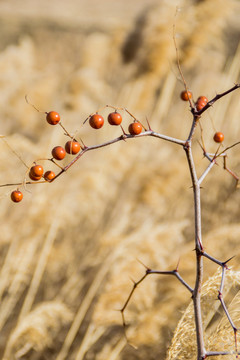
[(68, 251)]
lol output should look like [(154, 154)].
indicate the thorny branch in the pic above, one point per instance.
[(150, 272), (196, 182)]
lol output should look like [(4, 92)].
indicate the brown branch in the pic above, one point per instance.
[(211, 102), (149, 272), (218, 353), (179, 66), (119, 138), (94, 147)]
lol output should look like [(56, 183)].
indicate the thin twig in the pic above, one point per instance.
[(211, 102), (178, 63), (210, 166), (218, 353), (150, 272)]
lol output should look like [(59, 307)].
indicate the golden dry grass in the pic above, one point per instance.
[(69, 250)]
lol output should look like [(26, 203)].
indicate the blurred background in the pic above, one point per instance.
[(69, 250)]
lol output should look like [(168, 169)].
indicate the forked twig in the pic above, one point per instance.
[(151, 272)]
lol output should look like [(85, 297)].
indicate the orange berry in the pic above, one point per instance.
[(218, 137), (16, 196), (53, 118), (72, 147), (135, 128), (49, 175), (201, 102), (96, 121), (58, 153), (114, 118), (36, 171), (186, 95)]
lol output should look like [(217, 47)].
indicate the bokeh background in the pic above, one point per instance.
[(69, 250)]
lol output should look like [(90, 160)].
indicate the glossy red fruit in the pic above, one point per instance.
[(49, 175), (36, 170), (53, 118), (114, 118), (96, 121), (135, 128), (201, 102), (16, 196), (72, 147), (218, 137), (58, 153), (186, 95)]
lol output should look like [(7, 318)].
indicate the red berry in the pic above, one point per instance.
[(96, 121), (218, 137), (53, 118), (135, 128), (49, 175), (201, 102), (114, 118), (58, 153), (36, 170), (72, 147), (186, 95), (16, 196)]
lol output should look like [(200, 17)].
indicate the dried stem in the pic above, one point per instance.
[(211, 102), (196, 182), (150, 272), (94, 147)]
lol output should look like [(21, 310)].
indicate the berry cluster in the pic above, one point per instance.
[(200, 104), (36, 171), (72, 147), (96, 121)]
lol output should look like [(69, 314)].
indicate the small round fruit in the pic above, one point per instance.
[(34, 178), (53, 118), (36, 170), (114, 118), (49, 175), (16, 196), (96, 121), (218, 137), (186, 95), (135, 128), (58, 153), (201, 102), (72, 147)]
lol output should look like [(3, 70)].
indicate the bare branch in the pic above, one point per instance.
[(218, 353), (211, 102), (149, 272), (178, 63), (210, 166), (175, 273), (220, 298), (119, 138), (214, 259)]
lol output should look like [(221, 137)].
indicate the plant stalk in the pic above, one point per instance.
[(196, 297)]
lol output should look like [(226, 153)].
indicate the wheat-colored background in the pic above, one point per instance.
[(70, 249)]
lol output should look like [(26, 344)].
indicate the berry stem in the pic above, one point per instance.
[(66, 132)]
